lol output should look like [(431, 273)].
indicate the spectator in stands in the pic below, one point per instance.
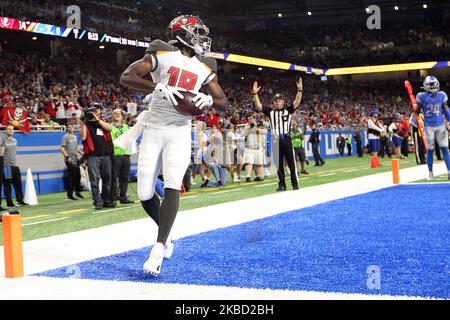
[(48, 123), (61, 117), (213, 118), (97, 146), (120, 160), (70, 151), (12, 175)]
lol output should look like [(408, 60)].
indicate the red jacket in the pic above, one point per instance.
[(88, 145)]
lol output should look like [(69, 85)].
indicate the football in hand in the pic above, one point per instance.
[(186, 106)]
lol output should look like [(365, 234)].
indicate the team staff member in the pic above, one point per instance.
[(314, 139), (121, 159), (70, 151), (95, 134), (349, 144), (374, 130), (418, 139), (280, 123), (297, 142), (358, 140), (12, 171)]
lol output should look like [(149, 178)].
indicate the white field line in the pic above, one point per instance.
[(328, 174), (116, 209), (265, 185), (45, 221), (227, 191), (188, 197), (351, 170)]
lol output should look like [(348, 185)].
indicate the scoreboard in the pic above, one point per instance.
[(69, 33)]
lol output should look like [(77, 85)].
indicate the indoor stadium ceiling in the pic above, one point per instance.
[(265, 6)]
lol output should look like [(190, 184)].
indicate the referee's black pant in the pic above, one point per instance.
[(418, 146), (286, 152)]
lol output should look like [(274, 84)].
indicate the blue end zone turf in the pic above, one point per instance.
[(404, 230)]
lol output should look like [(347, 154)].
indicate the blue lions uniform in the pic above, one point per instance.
[(432, 108), (432, 103)]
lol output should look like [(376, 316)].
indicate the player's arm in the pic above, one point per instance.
[(446, 111), (220, 101), (298, 97), (132, 76), (418, 109), (255, 98)]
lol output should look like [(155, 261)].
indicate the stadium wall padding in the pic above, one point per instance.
[(39, 151)]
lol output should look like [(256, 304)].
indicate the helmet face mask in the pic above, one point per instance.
[(190, 31), (431, 84)]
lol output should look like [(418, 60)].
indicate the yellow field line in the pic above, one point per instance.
[(71, 211), (36, 217)]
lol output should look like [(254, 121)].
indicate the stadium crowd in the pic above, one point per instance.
[(54, 91), (323, 47)]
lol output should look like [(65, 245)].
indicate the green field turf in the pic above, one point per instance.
[(54, 215), (438, 179)]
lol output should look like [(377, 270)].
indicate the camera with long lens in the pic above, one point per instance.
[(89, 113)]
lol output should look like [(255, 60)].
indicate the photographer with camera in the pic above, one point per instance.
[(97, 145), (70, 151)]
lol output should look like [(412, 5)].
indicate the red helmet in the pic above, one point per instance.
[(190, 31)]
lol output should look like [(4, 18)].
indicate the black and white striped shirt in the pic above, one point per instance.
[(280, 120)]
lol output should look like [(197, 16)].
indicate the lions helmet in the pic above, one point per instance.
[(190, 31), (431, 84)]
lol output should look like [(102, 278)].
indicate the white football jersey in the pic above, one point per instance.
[(173, 68)]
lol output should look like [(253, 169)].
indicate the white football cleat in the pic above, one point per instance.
[(168, 249), (154, 261), (430, 176)]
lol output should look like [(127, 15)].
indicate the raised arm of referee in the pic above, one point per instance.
[(280, 124)]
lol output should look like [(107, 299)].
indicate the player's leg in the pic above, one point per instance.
[(430, 139), (442, 140), (149, 166), (175, 159)]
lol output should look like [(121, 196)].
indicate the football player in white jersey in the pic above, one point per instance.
[(175, 67)]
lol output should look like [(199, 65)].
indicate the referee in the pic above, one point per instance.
[(280, 124)]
